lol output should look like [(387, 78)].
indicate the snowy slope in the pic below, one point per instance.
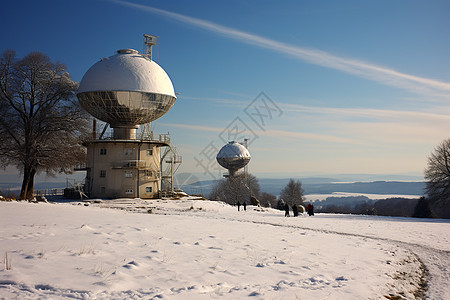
[(191, 249)]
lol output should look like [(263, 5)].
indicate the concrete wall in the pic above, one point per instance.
[(123, 169)]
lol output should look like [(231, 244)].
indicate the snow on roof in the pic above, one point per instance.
[(233, 149), (127, 71)]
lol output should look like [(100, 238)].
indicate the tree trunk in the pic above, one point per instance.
[(26, 192), (25, 180), (30, 189)]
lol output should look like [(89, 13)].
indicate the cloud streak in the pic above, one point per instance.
[(368, 113), (350, 126), (280, 134), (438, 114), (359, 68)]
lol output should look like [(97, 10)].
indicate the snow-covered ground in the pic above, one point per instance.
[(193, 249)]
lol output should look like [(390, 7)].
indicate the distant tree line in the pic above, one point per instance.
[(394, 207)]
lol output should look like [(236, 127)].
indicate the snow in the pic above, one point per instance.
[(194, 249), (233, 150), (127, 72)]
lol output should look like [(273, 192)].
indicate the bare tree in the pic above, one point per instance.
[(292, 193), (235, 189), (437, 177), (41, 123), (268, 200)]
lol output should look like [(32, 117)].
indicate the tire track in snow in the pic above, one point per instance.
[(434, 262), (424, 278)]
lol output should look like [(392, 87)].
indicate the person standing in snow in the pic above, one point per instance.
[(295, 210), (310, 209), (239, 205), (286, 209), (245, 206)]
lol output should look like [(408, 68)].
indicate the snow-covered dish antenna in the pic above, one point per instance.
[(149, 42)]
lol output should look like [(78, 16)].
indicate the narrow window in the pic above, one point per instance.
[(128, 174), (102, 190), (149, 152), (130, 164), (102, 173), (103, 151), (148, 189)]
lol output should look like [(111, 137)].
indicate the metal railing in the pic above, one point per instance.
[(49, 192), (129, 164)]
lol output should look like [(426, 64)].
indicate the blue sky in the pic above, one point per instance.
[(340, 86)]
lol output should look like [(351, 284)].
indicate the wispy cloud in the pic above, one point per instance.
[(436, 114), (193, 127), (359, 68), (279, 134), (349, 126), (369, 113), (219, 101), (369, 125)]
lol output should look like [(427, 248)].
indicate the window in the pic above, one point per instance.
[(129, 191), (148, 189), (149, 152), (102, 190), (103, 151), (130, 164), (128, 174), (129, 151), (102, 173), (148, 173)]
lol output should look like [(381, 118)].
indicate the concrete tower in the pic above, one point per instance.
[(126, 90)]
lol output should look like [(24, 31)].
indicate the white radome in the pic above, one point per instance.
[(126, 89), (233, 156), (127, 71)]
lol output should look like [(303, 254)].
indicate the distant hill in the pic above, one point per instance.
[(323, 186), (311, 185), (377, 187)]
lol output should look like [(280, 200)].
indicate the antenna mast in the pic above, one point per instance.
[(149, 41)]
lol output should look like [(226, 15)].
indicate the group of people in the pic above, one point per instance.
[(244, 205), (294, 210), (309, 209)]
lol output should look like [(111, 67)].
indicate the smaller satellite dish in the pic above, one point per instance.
[(233, 156)]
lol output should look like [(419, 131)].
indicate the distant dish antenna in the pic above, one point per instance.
[(149, 41)]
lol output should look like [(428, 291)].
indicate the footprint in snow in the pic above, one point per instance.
[(131, 264)]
